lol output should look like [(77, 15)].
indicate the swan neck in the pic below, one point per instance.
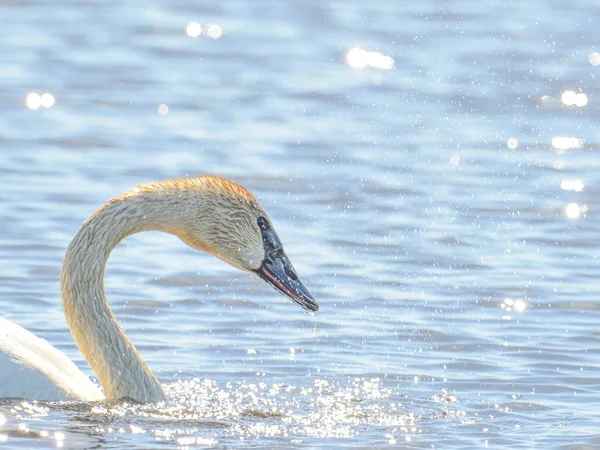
[(118, 366)]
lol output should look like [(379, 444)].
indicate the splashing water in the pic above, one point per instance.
[(204, 412)]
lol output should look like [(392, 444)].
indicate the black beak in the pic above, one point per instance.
[(277, 270)]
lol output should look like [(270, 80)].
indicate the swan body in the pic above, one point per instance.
[(208, 213), (38, 370)]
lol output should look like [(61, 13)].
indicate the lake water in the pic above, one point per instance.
[(444, 211)]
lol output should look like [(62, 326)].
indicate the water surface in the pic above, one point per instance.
[(443, 211)]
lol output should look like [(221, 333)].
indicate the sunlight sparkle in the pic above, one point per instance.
[(33, 100), (575, 210), (565, 143), (359, 58), (572, 98), (572, 185), (214, 31), (47, 100), (193, 29)]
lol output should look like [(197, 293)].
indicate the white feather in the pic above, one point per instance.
[(31, 368)]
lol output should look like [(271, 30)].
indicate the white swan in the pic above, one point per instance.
[(208, 213)]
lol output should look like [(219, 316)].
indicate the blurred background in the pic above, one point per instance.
[(430, 167)]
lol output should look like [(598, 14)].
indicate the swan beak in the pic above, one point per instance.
[(277, 270)]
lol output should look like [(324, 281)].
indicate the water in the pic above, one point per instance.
[(444, 213)]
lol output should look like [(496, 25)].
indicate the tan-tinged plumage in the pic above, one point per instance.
[(209, 213)]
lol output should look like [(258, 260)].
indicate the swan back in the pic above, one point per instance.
[(31, 368)]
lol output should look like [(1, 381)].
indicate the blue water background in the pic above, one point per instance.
[(450, 237)]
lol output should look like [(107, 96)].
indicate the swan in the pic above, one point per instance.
[(208, 213)]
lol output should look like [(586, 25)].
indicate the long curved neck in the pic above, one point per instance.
[(114, 359)]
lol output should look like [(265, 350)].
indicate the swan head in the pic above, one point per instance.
[(223, 218)]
